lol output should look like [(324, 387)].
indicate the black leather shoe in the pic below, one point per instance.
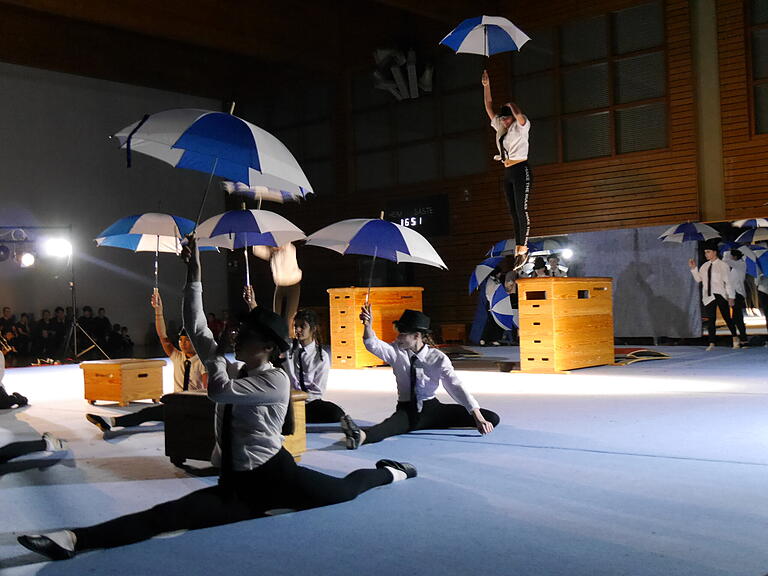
[(20, 400), (351, 431), (45, 546), (408, 468), (99, 422)]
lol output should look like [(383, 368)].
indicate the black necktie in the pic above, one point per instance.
[(501, 146), (300, 359), (413, 380), (709, 279), (187, 368)]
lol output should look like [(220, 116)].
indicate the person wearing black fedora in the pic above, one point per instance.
[(716, 291), (419, 369), (257, 474)]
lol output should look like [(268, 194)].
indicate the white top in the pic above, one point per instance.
[(736, 276), (315, 370), (721, 283), (196, 371), (432, 369), (556, 272), (515, 139), (259, 400)]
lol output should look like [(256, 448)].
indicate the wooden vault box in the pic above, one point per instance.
[(565, 323), (123, 380)]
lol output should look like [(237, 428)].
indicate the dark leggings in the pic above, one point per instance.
[(518, 180), (725, 312), (7, 400), (739, 306), (15, 449), (278, 483), (323, 412), (433, 416), (762, 299), (149, 414)]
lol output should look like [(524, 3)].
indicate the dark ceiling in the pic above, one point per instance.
[(218, 48)]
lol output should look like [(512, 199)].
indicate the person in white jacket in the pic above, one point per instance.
[(716, 291), (737, 276)]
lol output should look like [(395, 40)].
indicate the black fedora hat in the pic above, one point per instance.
[(268, 323), (413, 321)]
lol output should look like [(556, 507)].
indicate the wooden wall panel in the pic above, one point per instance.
[(744, 152)]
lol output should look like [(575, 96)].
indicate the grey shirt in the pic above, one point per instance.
[(259, 400)]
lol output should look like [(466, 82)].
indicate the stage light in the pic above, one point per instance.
[(57, 247), (567, 253), (5, 253), (26, 260)]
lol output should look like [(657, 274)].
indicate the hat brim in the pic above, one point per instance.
[(406, 328)]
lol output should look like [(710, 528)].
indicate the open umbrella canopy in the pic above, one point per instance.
[(502, 248), (485, 35), (689, 232), (500, 307), (753, 235), (378, 238), (244, 228), (152, 223), (216, 143), (142, 243), (482, 271), (751, 223)]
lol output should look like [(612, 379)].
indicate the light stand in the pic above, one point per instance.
[(75, 325)]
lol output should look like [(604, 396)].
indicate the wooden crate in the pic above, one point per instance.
[(123, 380), (387, 303), (565, 323)]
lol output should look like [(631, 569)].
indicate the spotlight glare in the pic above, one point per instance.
[(567, 253), (57, 247), (27, 259)]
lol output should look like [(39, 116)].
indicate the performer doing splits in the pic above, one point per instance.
[(307, 364), (188, 374), (716, 287), (419, 369), (257, 473), (512, 128)]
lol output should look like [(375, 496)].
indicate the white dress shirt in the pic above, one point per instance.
[(259, 400), (196, 371), (315, 370), (721, 283), (432, 369), (736, 277)]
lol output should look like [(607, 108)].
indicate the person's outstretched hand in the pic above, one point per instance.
[(156, 301), (366, 315), (484, 80), (249, 297), (191, 256)]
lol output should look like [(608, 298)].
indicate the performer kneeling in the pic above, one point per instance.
[(419, 369), (257, 473)]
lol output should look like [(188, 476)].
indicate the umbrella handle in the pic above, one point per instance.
[(247, 268), (157, 249), (370, 276)]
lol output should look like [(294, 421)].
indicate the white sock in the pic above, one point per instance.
[(397, 475), (52, 443), (64, 538), (111, 420)]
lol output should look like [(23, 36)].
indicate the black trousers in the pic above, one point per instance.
[(7, 400), (725, 311), (149, 414), (278, 483), (518, 180), (433, 416), (323, 412), (737, 311), (762, 298), (15, 449)]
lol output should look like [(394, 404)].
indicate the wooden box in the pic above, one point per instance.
[(189, 426), (387, 304), (123, 380), (565, 323)]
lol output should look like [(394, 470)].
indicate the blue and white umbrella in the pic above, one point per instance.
[(482, 271), (543, 247), (485, 35), (500, 307), (751, 223), (216, 143), (377, 238), (689, 232), (753, 235), (756, 258), (149, 232), (502, 248)]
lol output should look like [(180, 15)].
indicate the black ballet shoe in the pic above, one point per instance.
[(20, 400), (99, 422), (351, 430), (45, 546), (408, 468)]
